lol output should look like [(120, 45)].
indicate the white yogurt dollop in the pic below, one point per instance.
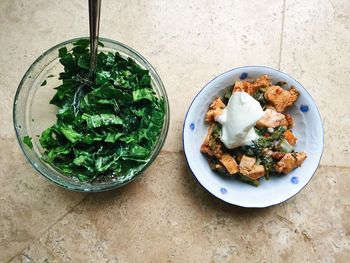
[(238, 120)]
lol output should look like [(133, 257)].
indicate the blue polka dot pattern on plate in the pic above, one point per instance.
[(192, 126), (244, 75), (304, 108), (294, 180), (223, 190)]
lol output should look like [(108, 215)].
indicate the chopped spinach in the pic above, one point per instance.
[(106, 127), (28, 141)]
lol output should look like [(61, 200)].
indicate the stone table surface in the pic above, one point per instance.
[(165, 216)]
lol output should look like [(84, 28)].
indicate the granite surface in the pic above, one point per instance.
[(165, 216)]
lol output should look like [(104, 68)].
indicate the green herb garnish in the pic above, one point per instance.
[(259, 96), (107, 127), (28, 141)]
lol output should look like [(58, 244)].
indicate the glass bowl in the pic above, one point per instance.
[(32, 113)]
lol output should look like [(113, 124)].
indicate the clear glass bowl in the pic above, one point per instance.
[(32, 113)]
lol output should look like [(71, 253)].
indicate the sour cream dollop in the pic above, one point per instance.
[(238, 120)]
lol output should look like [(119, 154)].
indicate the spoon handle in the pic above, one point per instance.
[(94, 19)]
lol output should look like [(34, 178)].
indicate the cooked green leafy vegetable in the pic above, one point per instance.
[(259, 96), (106, 127), (28, 141), (227, 95), (248, 180), (257, 147), (281, 83)]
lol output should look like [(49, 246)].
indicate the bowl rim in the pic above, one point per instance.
[(153, 156), (203, 88)]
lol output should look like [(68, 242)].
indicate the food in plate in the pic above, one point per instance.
[(107, 127), (250, 134)]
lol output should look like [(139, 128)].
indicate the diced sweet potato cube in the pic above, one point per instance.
[(247, 161), (211, 115), (207, 137), (246, 164), (215, 109), (289, 136), (272, 119), (245, 86), (217, 104), (229, 163), (289, 162), (205, 147), (256, 172), (262, 81), (280, 98)]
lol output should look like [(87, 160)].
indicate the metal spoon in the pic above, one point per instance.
[(94, 22), (94, 19)]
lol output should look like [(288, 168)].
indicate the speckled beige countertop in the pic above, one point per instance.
[(165, 216)]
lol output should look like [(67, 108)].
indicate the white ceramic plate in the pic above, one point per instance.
[(308, 129)]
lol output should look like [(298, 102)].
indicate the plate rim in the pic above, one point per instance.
[(252, 67)]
